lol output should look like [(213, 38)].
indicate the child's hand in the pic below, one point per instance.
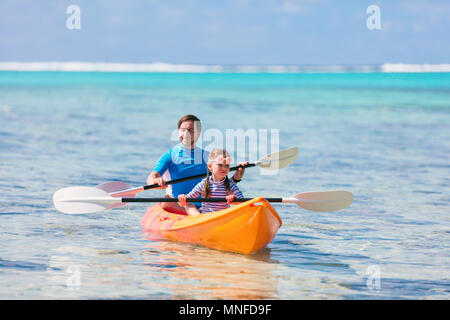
[(230, 198), (240, 172), (182, 200)]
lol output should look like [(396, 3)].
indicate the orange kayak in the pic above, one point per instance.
[(243, 228)]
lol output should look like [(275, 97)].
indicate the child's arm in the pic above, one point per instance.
[(235, 193), (235, 190), (239, 172), (197, 190), (190, 208)]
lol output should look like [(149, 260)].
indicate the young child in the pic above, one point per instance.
[(215, 185)]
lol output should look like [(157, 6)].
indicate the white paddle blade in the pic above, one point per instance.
[(80, 200), (278, 160), (113, 186), (324, 201), (118, 189)]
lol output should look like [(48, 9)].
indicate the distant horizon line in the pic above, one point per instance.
[(162, 67)]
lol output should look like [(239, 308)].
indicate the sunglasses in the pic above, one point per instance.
[(221, 160)]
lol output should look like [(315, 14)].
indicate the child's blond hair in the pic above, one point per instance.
[(212, 156)]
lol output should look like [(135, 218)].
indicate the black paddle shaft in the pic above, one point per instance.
[(195, 200), (153, 186)]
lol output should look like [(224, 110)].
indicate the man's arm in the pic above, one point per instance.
[(162, 165), (154, 177)]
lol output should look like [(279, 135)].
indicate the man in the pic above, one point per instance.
[(184, 160)]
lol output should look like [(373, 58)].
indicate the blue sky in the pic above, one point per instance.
[(299, 32)]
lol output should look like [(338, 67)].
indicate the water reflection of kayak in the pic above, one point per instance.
[(244, 228)]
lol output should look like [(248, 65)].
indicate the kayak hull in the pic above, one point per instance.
[(245, 228)]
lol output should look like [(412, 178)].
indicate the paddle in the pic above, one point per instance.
[(79, 200), (273, 161)]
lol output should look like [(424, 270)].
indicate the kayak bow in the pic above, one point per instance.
[(245, 228)]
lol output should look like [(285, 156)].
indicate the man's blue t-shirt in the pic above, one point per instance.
[(181, 162)]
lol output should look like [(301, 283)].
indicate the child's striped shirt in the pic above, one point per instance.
[(217, 191)]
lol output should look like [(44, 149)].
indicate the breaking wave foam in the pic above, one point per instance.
[(197, 68)]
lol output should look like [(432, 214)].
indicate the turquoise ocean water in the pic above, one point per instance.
[(384, 137)]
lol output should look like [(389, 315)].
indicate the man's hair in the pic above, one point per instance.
[(191, 117)]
